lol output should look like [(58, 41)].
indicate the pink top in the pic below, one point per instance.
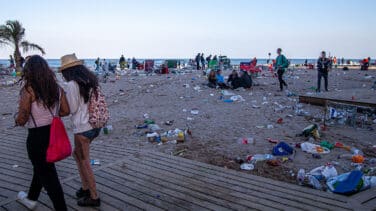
[(42, 115)]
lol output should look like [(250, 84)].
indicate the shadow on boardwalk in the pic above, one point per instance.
[(133, 179)]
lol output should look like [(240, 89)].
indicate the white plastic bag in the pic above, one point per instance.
[(312, 148), (329, 172)]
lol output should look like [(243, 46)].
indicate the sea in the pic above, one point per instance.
[(55, 63)]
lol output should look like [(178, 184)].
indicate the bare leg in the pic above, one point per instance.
[(78, 156), (86, 167)]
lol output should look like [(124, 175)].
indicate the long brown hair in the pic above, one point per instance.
[(38, 75), (85, 79)]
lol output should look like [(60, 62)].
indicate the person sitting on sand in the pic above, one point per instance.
[(221, 80), (212, 79), (232, 77), (244, 81)]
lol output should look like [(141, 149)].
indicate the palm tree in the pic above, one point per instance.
[(13, 34)]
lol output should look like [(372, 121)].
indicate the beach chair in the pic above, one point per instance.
[(245, 66), (226, 62), (172, 63), (149, 65), (251, 68)]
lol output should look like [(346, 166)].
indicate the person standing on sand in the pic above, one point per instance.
[(208, 59), (202, 58), (97, 64), (81, 84), (11, 61), (122, 62), (39, 97), (280, 65), (197, 60), (323, 65)]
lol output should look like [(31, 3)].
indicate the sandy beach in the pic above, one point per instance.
[(218, 125)]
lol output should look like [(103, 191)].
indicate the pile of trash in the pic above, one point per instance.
[(359, 177), (155, 134), (326, 176), (281, 153), (346, 184)]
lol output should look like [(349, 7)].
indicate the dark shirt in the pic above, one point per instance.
[(122, 59), (323, 65), (232, 77)]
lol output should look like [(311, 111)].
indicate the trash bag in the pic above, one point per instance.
[(282, 149), (313, 148), (329, 172), (346, 184)]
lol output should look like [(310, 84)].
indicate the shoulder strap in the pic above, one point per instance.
[(32, 118), (58, 104)]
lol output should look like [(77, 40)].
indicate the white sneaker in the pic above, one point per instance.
[(22, 198)]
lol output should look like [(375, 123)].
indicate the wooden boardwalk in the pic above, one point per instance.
[(133, 179)]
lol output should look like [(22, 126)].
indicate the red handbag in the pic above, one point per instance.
[(59, 147)]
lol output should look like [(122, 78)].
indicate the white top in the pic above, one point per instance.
[(78, 109), (42, 116)]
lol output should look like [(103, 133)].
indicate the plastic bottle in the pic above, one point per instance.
[(314, 182), (248, 140), (262, 157), (346, 156), (300, 177)]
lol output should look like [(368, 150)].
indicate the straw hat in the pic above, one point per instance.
[(69, 60)]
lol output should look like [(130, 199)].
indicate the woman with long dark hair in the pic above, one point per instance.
[(81, 84), (39, 99)]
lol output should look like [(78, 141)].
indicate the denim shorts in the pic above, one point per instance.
[(91, 134)]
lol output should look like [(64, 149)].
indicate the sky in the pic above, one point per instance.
[(182, 28)]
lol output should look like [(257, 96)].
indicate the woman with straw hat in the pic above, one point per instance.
[(81, 83)]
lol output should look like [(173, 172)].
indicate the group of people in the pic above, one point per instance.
[(235, 80), (243, 79), (41, 97), (104, 65), (201, 62)]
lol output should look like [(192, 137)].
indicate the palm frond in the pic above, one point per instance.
[(26, 46), (15, 30), (5, 34)]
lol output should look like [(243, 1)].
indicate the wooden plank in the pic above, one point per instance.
[(155, 189), (204, 192), (249, 180), (180, 192), (14, 205), (121, 185), (320, 101), (237, 190), (71, 200), (185, 200), (119, 200)]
